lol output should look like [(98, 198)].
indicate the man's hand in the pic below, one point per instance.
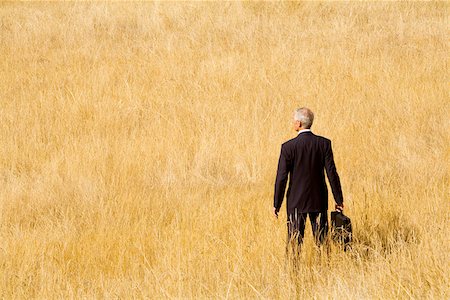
[(340, 207), (275, 213)]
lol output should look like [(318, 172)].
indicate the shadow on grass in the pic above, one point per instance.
[(383, 235)]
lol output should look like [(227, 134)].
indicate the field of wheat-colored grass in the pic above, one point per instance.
[(139, 146)]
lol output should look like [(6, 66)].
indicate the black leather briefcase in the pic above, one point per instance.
[(341, 229)]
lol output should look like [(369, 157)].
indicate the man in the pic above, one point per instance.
[(304, 159)]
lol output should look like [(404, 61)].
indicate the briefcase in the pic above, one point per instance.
[(341, 229)]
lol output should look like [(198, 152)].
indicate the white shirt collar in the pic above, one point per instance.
[(303, 130)]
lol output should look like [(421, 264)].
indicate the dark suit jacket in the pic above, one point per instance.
[(304, 159)]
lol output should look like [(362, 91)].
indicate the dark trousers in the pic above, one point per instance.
[(296, 228)]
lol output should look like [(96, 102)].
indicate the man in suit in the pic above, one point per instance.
[(304, 158)]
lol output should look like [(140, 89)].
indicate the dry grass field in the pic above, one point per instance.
[(139, 146)]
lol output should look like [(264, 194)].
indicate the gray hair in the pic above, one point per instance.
[(305, 116)]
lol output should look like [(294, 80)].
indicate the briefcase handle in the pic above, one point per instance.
[(339, 208)]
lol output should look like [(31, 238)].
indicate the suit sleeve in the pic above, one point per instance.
[(281, 179), (332, 175)]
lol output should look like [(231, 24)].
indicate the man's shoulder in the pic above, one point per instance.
[(322, 139), (292, 142), (288, 143)]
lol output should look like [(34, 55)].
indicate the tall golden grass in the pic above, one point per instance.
[(139, 146)]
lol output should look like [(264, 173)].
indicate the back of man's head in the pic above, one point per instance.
[(305, 116)]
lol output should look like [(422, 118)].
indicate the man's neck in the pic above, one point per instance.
[(303, 130)]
